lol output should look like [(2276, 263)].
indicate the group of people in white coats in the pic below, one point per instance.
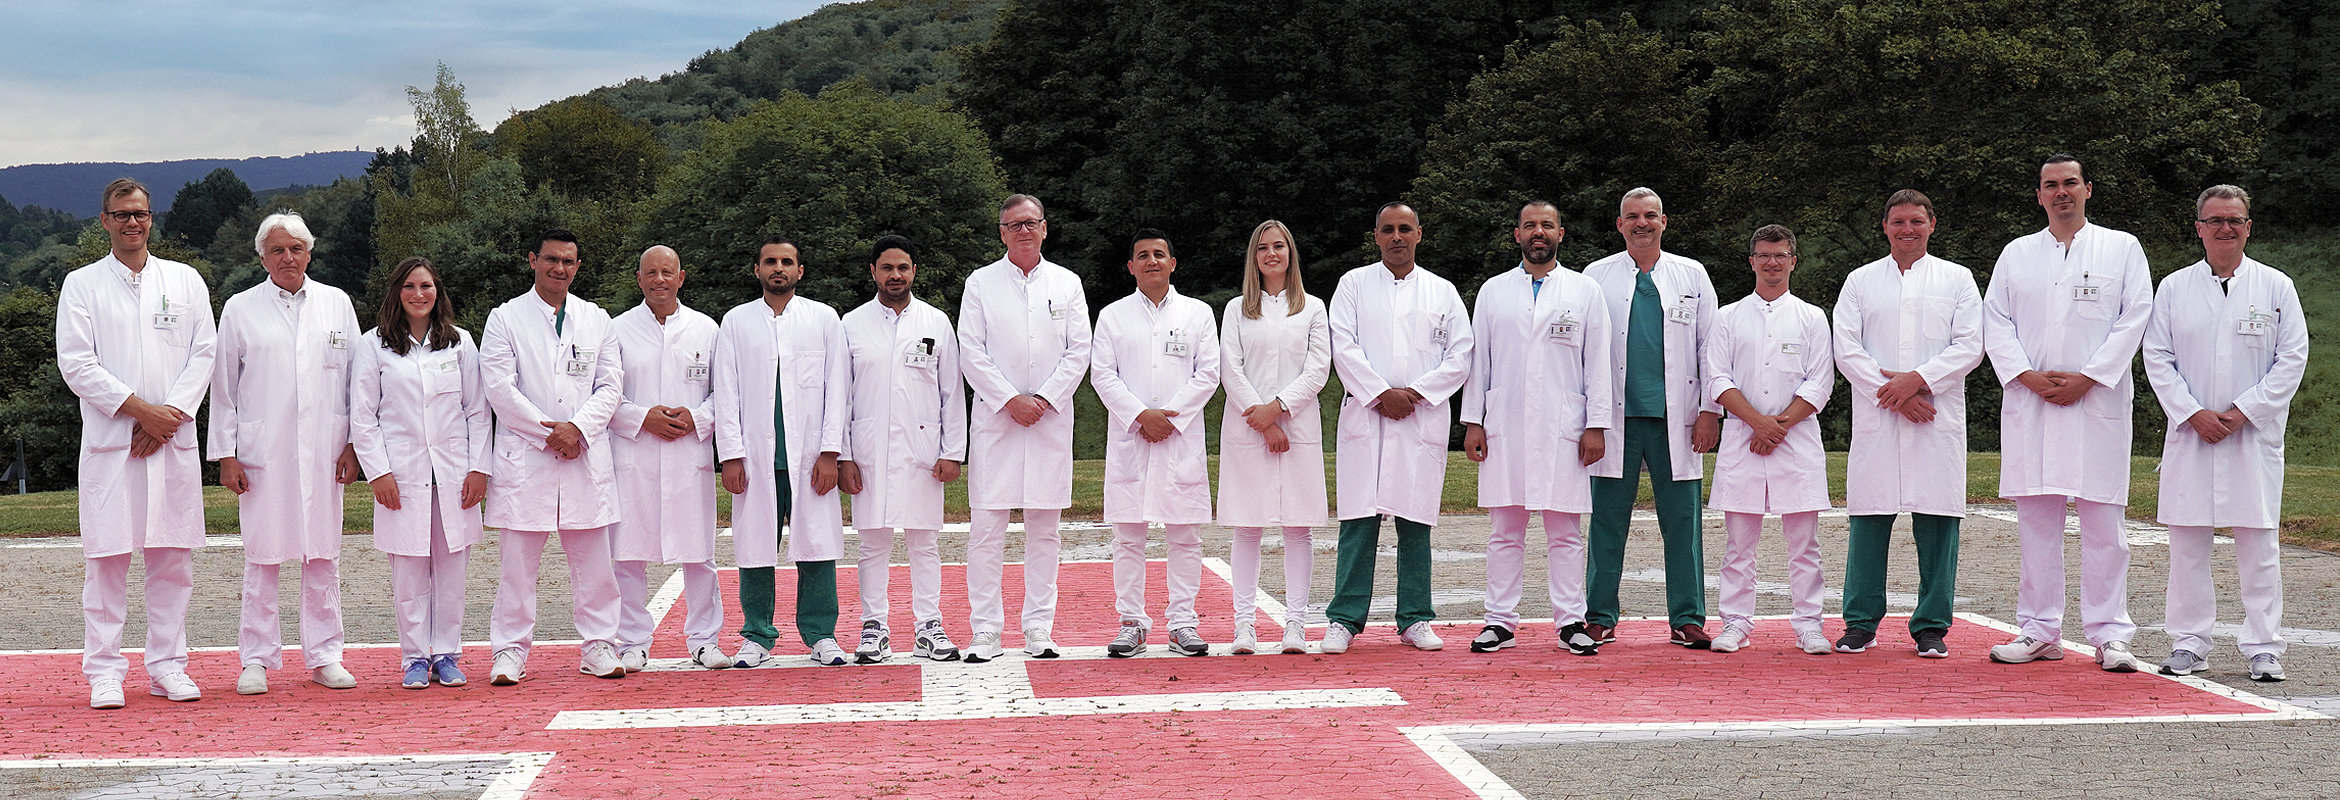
[(608, 431)]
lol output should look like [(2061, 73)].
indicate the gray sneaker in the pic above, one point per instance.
[(876, 644), (2266, 668), (933, 643), (1131, 641), (2184, 662), (1188, 643)]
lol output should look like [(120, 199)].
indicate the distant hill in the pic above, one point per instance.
[(73, 188)]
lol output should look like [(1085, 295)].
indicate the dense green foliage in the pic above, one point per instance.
[(199, 208)]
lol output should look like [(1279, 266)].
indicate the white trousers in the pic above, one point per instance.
[(105, 605), (702, 605), (261, 640), (2193, 603), (1507, 564), (1184, 543), (426, 592), (592, 583), (2104, 570), (986, 559), (1800, 531), (877, 555), (1299, 570)]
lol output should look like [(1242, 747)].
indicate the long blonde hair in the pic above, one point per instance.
[(1295, 299)]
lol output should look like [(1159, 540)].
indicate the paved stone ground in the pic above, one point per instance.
[(39, 599)]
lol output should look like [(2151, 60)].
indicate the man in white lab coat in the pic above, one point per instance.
[(550, 362), (783, 390), (1908, 330), (280, 432), (1023, 344), (907, 440), (1540, 350), (665, 463), (2225, 352), (1402, 346), (2062, 320), (135, 343), (1155, 363), (1661, 307), (1768, 365)]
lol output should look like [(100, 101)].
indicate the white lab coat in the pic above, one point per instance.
[(155, 340), (1147, 356), (909, 411), (2032, 321), (2198, 356), (280, 407), (1927, 320), (422, 417), (1286, 357), (534, 375), (1022, 334), (753, 350), (1772, 352), (666, 489), (1682, 284), (1537, 356), (1390, 333)]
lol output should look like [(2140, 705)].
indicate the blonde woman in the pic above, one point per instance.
[(1276, 352)]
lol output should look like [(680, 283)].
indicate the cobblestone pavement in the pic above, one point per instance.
[(1642, 719)]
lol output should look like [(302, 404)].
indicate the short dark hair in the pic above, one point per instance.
[(1523, 207), (1385, 207), (2061, 158), (892, 241), (122, 187), (758, 254), (553, 235), (1143, 234), (1773, 233), (1910, 197)]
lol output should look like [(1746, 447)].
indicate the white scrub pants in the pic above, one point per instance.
[(1507, 564), (591, 581), (2193, 603), (427, 594), (2104, 570), (105, 604), (702, 605), (877, 554), (1184, 543), (986, 557), (1800, 531), (1299, 570), (262, 639)]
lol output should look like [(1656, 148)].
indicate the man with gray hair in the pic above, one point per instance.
[(280, 432)]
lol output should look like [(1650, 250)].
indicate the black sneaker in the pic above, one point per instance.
[(1573, 637), (1855, 640), (1491, 639), (1929, 644)]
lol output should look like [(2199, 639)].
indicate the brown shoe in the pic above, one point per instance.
[(1692, 636), (1601, 634)]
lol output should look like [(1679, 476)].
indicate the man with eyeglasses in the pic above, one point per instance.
[(135, 343), (2062, 319), (2225, 352), (1023, 346)]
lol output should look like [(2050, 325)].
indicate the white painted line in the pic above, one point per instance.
[(1262, 599), (668, 591), (520, 769), (1439, 745), (1893, 599), (518, 774)]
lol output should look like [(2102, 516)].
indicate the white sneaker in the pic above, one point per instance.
[(828, 653), (2025, 649), (751, 656), (933, 643), (176, 686), (1814, 642), (2267, 668), (1129, 642), (253, 680), (711, 657), (1295, 638), (634, 659), (600, 660), (1421, 637), (511, 666), (2115, 657), (877, 645), (1246, 639), (985, 648), (1734, 636), (1037, 644), (105, 693), (330, 676), (1336, 639)]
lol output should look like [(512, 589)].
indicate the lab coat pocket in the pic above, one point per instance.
[(1356, 421), (2104, 307), (806, 369), (249, 442), (1934, 318), (925, 445), (1125, 459)]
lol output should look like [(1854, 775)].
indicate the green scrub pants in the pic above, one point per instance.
[(1644, 442)]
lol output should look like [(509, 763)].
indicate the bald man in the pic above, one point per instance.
[(665, 464)]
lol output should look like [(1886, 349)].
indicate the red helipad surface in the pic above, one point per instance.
[(1077, 726)]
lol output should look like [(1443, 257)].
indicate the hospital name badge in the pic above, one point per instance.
[(1563, 330), (166, 320), (1177, 345), (2086, 292), (579, 367), (335, 340), (696, 373), (1684, 311), (2255, 324)]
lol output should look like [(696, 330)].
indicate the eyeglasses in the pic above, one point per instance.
[(2225, 222), (130, 216), (1024, 225), (1772, 257)]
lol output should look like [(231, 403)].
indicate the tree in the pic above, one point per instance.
[(200, 207), (2283, 54), (444, 131), (37, 409), (583, 148)]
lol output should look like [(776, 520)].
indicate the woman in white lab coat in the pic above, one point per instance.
[(1275, 346), (420, 422)]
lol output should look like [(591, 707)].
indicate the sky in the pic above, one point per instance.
[(134, 80)]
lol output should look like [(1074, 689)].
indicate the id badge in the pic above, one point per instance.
[(1791, 348), (695, 372), (336, 340), (1438, 335), (1563, 330), (2086, 292), (1176, 345), (1684, 311), (166, 321), (449, 365), (1055, 311), (580, 367), (2254, 324)]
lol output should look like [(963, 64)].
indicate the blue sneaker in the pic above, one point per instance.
[(418, 674), (443, 668)]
